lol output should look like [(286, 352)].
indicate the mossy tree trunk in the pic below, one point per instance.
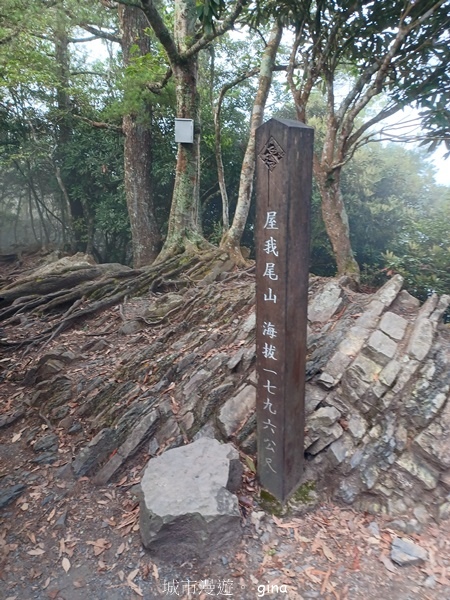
[(182, 48), (145, 234)]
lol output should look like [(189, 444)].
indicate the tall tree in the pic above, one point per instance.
[(182, 48), (232, 238), (384, 47), (138, 146)]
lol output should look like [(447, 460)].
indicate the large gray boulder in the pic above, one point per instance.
[(188, 509)]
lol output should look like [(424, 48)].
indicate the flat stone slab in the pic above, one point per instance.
[(323, 306), (393, 325), (187, 508), (404, 552), (11, 493)]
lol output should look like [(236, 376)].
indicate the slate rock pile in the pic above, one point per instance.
[(377, 397)]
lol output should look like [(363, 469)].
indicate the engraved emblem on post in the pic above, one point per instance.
[(271, 154)]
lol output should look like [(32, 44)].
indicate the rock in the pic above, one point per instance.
[(61, 521), (406, 553), (348, 491), (393, 325), (49, 368), (187, 510), (323, 438), (163, 305), (324, 305), (9, 494), (132, 327), (75, 428), (369, 476), (422, 471), (323, 417), (444, 511), (357, 379), (208, 430), (144, 429), (380, 348), (235, 359), (235, 412), (434, 441), (11, 417), (373, 529), (47, 442), (430, 582), (421, 339), (327, 380), (390, 372), (407, 302), (408, 527), (390, 290), (313, 397), (66, 422), (421, 514), (339, 450), (357, 426), (95, 452), (249, 324), (199, 378), (46, 458)]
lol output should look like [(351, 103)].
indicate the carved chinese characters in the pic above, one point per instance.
[(282, 244)]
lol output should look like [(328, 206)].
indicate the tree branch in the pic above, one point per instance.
[(157, 87), (99, 124), (160, 29), (112, 37), (224, 26)]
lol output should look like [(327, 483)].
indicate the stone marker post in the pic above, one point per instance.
[(283, 197)]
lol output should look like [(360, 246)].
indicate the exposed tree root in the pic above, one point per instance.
[(65, 298)]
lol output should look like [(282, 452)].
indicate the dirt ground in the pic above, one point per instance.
[(67, 539)]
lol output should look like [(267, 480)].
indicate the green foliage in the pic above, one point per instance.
[(208, 11), (422, 253)]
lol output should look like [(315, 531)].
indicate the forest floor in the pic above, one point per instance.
[(67, 539)]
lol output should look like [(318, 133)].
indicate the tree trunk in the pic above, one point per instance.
[(64, 133), (184, 222), (232, 238), (335, 219), (145, 234), (184, 227)]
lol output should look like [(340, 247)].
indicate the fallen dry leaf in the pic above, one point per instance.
[(102, 565), (36, 552), (328, 553), (51, 515), (120, 549), (131, 583), (324, 587), (16, 437), (310, 575), (99, 545), (31, 537), (387, 562), (66, 564), (317, 543)]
